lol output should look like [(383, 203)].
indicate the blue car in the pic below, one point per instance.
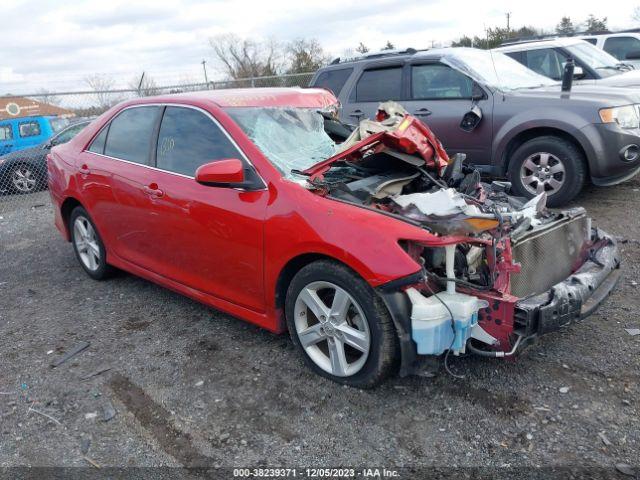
[(25, 171), (25, 132)]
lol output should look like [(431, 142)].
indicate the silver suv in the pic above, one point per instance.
[(507, 119)]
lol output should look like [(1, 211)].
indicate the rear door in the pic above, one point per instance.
[(440, 96), (114, 174), (207, 238), (378, 83)]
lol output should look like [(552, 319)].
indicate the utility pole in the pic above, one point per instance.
[(508, 14), (204, 67)]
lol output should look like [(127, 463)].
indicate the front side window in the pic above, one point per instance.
[(29, 129), (5, 132), (438, 81), (130, 133), (620, 47), (379, 85), (188, 139), (546, 61), (333, 80)]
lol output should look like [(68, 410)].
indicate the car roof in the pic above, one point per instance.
[(545, 43), (251, 97)]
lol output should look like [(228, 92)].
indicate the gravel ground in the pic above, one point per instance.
[(192, 386)]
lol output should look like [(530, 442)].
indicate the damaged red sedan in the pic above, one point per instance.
[(370, 245)]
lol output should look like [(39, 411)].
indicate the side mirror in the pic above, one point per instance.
[(578, 72), (633, 55), (471, 119), (221, 173)]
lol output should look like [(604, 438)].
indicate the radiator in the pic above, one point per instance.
[(548, 256)]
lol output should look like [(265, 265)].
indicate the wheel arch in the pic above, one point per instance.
[(68, 205)]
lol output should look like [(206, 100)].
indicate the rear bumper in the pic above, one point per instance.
[(576, 297)]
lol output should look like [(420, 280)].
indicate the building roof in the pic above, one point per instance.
[(16, 107)]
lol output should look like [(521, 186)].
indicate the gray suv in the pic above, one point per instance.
[(508, 120)]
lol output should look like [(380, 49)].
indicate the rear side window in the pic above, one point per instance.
[(333, 80), (97, 146), (188, 138), (379, 85), (29, 129), (438, 81), (620, 47), (546, 61), (5, 132), (129, 136)]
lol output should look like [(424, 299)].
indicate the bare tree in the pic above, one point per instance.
[(145, 85), (362, 48), (247, 58), (636, 14), (45, 96), (101, 84), (305, 55)]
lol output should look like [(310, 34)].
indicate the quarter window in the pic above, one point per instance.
[(620, 47), (379, 85), (97, 146), (333, 80), (29, 129), (5, 132), (592, 41), (130, 133), (189, 138), (435, 81)]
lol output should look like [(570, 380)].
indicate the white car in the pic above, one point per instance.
[(625, 46), (548, 57)]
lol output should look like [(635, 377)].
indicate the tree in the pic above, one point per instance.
[(389, 46), (464, 41), (362, 48), (101, 84), (305, 56), (145, 88), (594, 24), (247, 58), (565, 27), (636, 14), (45, 96)]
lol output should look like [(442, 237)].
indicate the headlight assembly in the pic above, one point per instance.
[(626, 117)]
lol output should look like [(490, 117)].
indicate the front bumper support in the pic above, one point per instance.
[(574, 298)]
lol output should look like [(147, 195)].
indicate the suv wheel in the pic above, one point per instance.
[(88, 245), (548, 164), (340, 326)]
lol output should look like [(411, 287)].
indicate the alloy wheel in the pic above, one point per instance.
[(86, 243), (23, 179), (542, 172), (332, 328)]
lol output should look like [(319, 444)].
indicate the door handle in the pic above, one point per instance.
[(357, 114), (422, 112), (84, 170), (153, 190)]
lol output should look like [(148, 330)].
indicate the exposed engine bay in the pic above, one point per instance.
[(491, 252)]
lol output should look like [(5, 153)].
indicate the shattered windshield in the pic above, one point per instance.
[(291, 138), (495, 69)]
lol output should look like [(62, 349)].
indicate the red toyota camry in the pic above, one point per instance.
[(368, 243)]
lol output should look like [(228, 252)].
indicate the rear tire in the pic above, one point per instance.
[(347, 334), (88, 245), (551, 164)]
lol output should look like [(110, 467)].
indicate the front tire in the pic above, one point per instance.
[(24, 179), (340, 326), (88, 245), (548, 164)]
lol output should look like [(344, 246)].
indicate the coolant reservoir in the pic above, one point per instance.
[(432, 328)]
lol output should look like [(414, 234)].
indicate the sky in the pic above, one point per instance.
[(55, 45)]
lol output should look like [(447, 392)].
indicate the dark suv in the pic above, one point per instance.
[(508, 120)]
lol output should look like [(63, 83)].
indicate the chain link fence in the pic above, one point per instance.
[(31, 124)]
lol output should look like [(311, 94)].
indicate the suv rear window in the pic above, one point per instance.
[(333, 80), (129, 136), (379, 85)]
